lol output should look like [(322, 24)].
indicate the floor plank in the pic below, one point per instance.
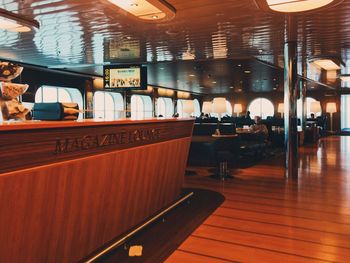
[(267, 218), (183, 256)]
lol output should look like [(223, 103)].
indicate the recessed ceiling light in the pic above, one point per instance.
[(172, 32), (191, 75), (147, 9), (15, 22), (247, 71), (214, 82), (292, 6), (239, 65), (231, 87)]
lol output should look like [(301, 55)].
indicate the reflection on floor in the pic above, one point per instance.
[(161, 238), (266, 218)]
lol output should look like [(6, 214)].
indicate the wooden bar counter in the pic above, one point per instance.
[(68, 188)]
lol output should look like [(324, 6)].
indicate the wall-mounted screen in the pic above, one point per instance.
[(124, 77)]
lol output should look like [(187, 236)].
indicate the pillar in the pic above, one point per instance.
[(290, 99)]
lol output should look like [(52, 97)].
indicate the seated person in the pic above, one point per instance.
[(259, 128), (247, 116)]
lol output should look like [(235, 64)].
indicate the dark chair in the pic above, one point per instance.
[(227, 155)]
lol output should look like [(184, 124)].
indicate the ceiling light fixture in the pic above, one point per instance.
[(16, 23), (293, 6), (147, 10), (345, 77), (326, 63)]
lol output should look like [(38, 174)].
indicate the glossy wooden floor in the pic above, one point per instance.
[(268, 219)]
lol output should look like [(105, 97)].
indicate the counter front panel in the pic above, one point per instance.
[(26, 147), (68, 191)]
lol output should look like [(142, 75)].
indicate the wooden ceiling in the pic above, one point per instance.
[(206, 37)]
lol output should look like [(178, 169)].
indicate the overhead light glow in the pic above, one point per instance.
[(326, 64), (292, 6), (11, 25), (15, 22), (345, 77), (146, 9)]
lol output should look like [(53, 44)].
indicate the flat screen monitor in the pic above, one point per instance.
[(124, 77)]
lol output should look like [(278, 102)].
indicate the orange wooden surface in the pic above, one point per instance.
[(24, 148), (30, 125), (266, 218), (64, 211)]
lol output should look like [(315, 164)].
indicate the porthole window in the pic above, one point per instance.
[(108, 105), (261, 107), (141, 107)]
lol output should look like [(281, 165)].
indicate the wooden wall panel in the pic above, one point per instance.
[(63, 211), (23, 148)]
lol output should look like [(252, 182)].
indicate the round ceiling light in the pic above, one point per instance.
[(146, 10), (294, 6)]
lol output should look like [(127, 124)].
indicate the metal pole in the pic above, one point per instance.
[(290, 99)]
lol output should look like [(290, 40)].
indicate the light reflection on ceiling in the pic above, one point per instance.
[(74, 33)]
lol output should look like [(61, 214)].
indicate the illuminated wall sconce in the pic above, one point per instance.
[(165, 92), (16, 23), (331, 108), (280, 109), (315, 107), (183, 95), (219, 106), (207, 107), (188, 107), (147, 10), (293, 6), (237, 108), (98, 83)]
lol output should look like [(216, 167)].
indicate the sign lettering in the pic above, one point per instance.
[(87, 142)]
